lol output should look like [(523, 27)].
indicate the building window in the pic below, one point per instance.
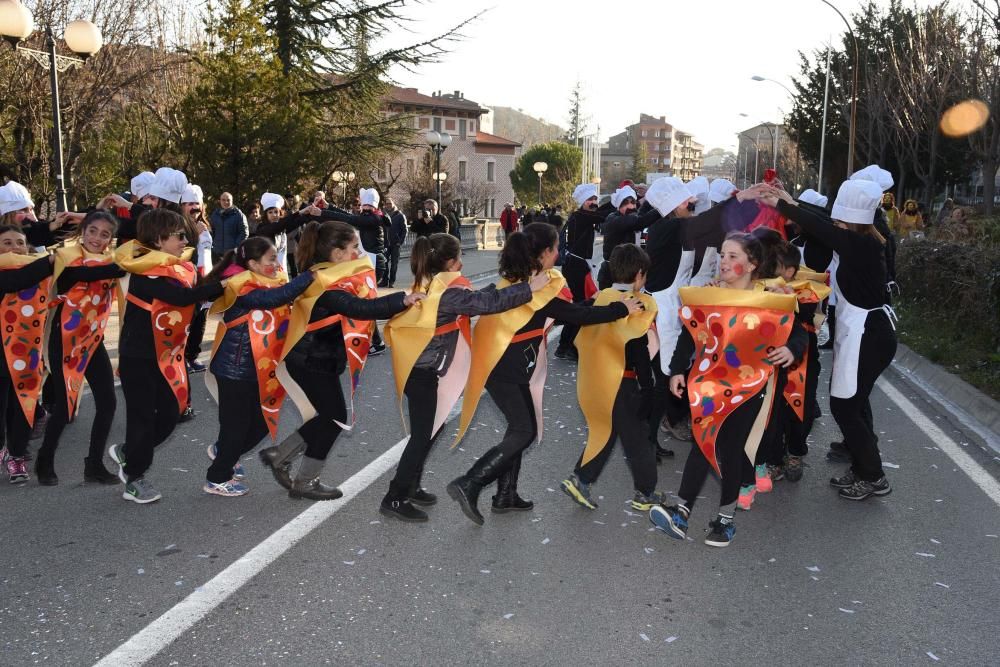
[(462, 128), (411, 166), (491, 172), (450, 125), (462, 171), (653, 160), (657, 134), (437, 124), (644, 133), (491, 205), (472, 126), (424, 123)]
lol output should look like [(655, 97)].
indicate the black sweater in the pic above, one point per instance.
[(136, 337), (323, 350), (29, 275), (619, 229), (861, 275), (580, 230), (518, 360)]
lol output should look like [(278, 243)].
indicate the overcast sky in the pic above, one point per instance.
[(688, 60)]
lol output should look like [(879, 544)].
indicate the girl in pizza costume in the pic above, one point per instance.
[(865, 337), (329, 331), (252, 317), (509, 361), (161, 298), (431, 357), (24, 305), (736, 336), (86, 284)]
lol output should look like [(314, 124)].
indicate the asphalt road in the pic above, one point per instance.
[(912, 578)]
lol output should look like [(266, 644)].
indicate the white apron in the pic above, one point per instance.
[(281, 246), (847, 343), (668, 305), (709, 268), (832, 270)]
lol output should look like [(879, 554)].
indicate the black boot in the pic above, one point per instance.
[(279, 458), (465, 490), (507, 499), (398, 502), (45, 469), (307, 484), (94, 471), (419, 496)]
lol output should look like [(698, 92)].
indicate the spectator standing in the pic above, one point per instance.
[(397, 236), (229, 227), (910, 220), (253, 216), (454, 223), (509, 220), (944, 215), (429, 221)]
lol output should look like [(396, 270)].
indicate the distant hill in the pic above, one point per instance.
[(525, 129)]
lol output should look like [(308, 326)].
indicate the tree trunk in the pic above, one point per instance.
[(932, 167)]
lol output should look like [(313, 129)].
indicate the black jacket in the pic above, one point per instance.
[(437, 225), (234, 358), (619, 229), (580, 230), (399, 230), (371, 228), (323, 350), (136, 337)]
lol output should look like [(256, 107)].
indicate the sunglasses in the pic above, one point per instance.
[(179, 235)]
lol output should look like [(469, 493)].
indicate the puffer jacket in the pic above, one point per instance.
[(234, 358), (229, 229)]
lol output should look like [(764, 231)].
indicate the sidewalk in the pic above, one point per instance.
[(476, 264)]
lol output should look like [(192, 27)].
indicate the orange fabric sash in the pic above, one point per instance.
[(733, 331), (82, 323), (170, 329), (795, 385), (24, 314)]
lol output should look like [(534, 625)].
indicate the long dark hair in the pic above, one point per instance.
[(522, 251), (430, 255), (99, 216), (254, 248), (771, 242), (754, 250), (319, 239), (157, 224)]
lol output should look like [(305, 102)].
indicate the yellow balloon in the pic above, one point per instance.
[(964, 118)]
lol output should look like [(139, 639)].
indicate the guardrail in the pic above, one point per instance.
[(477, 234)]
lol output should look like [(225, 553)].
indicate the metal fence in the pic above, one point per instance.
[(477, 234)]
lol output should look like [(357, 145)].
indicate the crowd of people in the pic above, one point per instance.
[(701, 322)]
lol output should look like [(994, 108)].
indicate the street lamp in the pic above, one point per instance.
[(755, 77), (82, 37), (854, 89), (540, 169), (342, 178), (438, 141)]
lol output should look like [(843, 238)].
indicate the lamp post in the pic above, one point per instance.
[(342, 178), (82, 37), (822, 138), (792, 96), (854, 89), (540, 169), (438, 141)]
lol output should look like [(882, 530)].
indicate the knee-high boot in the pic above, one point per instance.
[(465, 490), (507, 499), (279, 458)]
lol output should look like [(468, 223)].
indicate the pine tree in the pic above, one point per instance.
[(640, 162), (577, 121)]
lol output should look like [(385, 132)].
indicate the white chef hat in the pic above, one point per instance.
[(856, 202), (168, 184), (875, 174), (369, 197), (14, 197), (721, 189), (271, 200), (621, 194), (810, 196), (583, 192), (192, 194), (667, 193), (140, 184), (699, 188)]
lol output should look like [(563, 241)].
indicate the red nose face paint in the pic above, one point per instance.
[(738, 269)]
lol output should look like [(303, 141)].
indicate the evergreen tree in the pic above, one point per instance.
[(640, 162), (577, 121)]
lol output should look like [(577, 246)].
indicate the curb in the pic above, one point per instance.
[(972, 407)]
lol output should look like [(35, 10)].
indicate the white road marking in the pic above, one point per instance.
[(969, 466), (148, 642)]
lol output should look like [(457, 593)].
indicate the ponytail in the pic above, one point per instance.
[(252, 249), (522, 251), (215, 275), (430, 255), (319, 239)]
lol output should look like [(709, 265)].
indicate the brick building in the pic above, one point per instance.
[(669, 151), (477, 163)]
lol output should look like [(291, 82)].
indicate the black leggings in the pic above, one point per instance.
[(575, 270), (633, 433), (101, 379), (196, 334), (151, 412), (322, 388), (241, 426), (854, 415), (421, 398), (18, 429), (518, 408), (729, 453)]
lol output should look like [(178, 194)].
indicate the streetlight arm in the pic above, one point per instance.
[(854, 91)]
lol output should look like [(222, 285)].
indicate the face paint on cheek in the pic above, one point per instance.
[(739, 269)]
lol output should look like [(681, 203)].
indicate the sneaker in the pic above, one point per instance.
[(187, 415), (671, 520), (402, 510), (721, 533), (776, 473), (194, 367), (747, 494), (212, 450), (862, 489), (679, 431), (376, 350), (846, 481), (793, 468), (141, 491), (838, 453), (567, 354), (16, 467), (115, 452), (579, 491), (230, 489), (763, 480), (239, 473), (644, 503)]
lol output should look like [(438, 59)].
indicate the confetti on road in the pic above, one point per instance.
[(890, 465), (933, 657), (649, 550), (846, 611), (508, 616), (546, 541), (935, 541), (670, 640), (643, 637), (180, 470), (813, 568), (484, 572), (771, 560), (141, 571), (926, 555), (938, 583), (348, 562)]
